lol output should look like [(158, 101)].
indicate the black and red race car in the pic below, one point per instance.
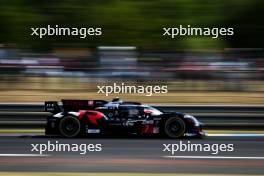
[(89, 117)]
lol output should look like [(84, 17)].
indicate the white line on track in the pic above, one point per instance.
[(216, 157), (21, 155), (238, 135)]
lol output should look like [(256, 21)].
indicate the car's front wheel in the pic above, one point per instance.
[(70, 126), (174, 127)]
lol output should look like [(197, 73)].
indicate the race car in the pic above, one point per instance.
[(89, 117)]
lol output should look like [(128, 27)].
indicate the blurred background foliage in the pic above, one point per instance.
[(197, 69), (133, 22)]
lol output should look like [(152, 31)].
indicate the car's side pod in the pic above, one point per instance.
[(52, 107)]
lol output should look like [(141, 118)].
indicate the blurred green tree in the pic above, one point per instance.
[(132, 22)]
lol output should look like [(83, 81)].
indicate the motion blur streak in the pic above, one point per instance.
[(196, 69), (225, 76), (133, 155), (132, 50)]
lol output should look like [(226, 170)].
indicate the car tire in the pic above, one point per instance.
[(174, 127), (69, 127)]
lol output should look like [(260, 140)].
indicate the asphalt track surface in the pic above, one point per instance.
[(130, 154)]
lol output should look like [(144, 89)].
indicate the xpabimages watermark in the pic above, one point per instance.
[(48, 147), (56, 30), (188, 30), (214, 149), (130, 89)]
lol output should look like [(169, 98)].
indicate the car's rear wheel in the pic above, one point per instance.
[(174, 127), (70, 127)]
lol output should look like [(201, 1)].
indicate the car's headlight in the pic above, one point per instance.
[(196, 122)]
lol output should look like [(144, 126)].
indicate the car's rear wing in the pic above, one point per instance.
[(72, 105), (75, 105)]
